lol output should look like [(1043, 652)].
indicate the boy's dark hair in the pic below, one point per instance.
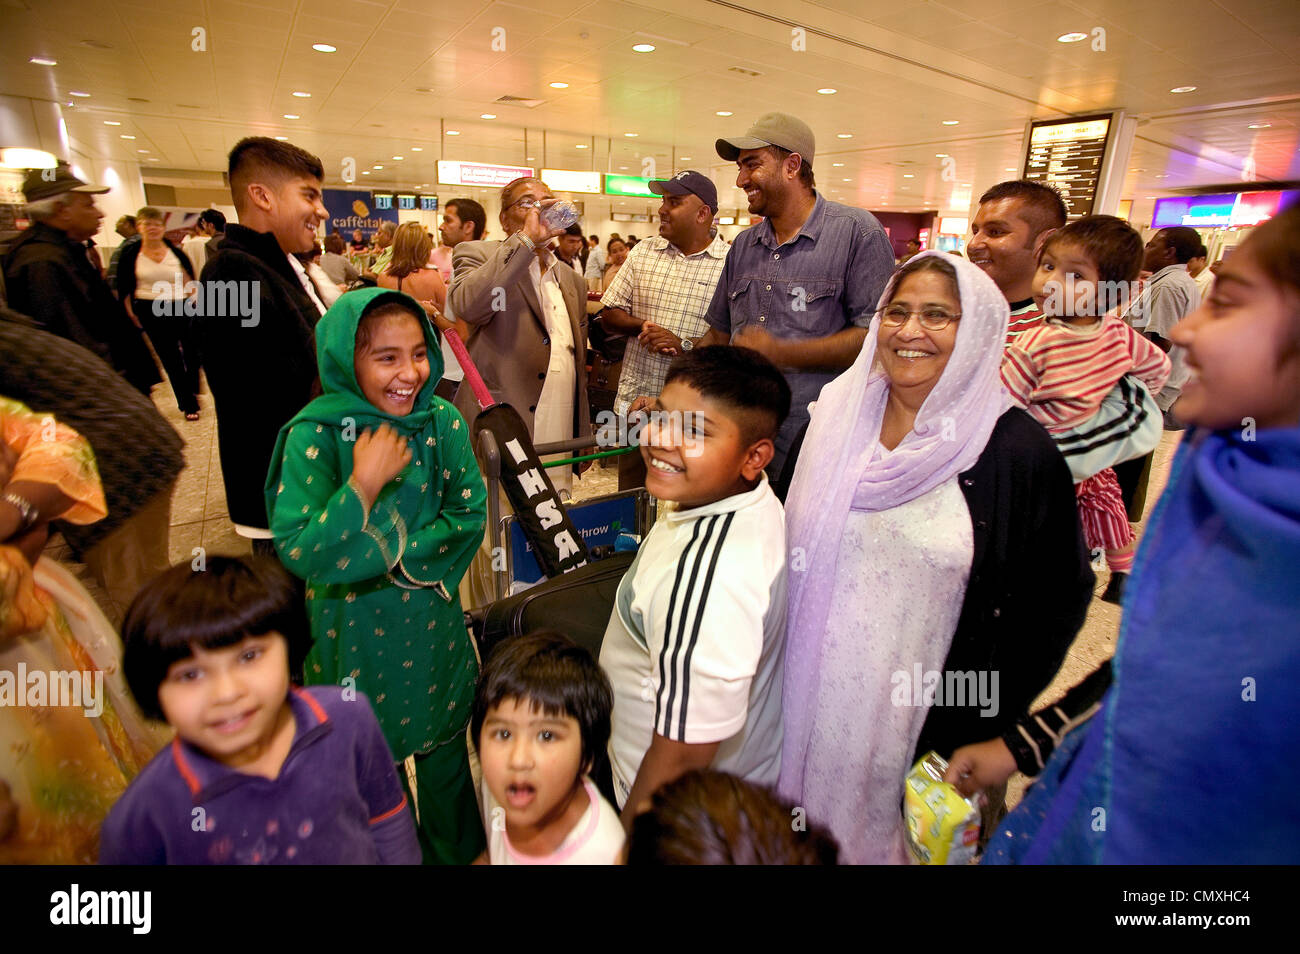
[(712, 818), (213, 218), (1043, 206), (1184, 240), (1202, 252), (1114, 247), (260, 157), (740, 379), (212, 608), (555, 675), (467, 210), (334, 244)]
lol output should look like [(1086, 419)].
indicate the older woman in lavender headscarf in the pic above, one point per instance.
[(938, 571)]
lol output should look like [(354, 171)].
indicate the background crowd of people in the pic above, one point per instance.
[(896, 467)]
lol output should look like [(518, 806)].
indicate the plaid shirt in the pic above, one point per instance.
[(658, 283)]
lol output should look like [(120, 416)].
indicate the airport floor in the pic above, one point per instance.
[(199, 519)]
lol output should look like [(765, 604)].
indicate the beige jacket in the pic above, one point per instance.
[(509, 345)]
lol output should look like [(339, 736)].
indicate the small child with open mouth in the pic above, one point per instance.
[(541, 716)]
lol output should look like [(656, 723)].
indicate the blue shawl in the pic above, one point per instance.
[(1194, 757)]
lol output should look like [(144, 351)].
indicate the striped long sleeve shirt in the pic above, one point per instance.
[(1060, 372)]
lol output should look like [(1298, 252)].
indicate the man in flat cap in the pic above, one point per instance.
[(49, 279), (801, 286)]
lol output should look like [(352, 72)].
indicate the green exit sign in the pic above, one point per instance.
[(628, 185)]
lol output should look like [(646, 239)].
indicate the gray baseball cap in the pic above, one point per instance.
[(772, 129)]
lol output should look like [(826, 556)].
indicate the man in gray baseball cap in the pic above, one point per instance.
[(49, 278), (801, 286)]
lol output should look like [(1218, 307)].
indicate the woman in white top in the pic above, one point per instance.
[(153, 280), (409, 271)]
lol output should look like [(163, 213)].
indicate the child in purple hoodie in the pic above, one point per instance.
[(260, 771)]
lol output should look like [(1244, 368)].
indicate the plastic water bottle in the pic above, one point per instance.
[(559, 215)]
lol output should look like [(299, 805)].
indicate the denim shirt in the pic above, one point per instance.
[(829, 277)]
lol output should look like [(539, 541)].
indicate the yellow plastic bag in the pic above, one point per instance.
[(943, 828)]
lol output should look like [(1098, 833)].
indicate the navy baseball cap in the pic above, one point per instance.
[(688, 182)]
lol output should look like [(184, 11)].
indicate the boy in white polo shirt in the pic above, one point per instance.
[(694, 644)]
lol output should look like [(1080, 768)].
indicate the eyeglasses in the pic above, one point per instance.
[(932, 319), (527, 202)]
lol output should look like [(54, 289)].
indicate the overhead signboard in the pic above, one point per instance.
[(629, 185), (428, 203), (566, 180), (452, 172), (1237, 209), (353, 209), (1069, 155)]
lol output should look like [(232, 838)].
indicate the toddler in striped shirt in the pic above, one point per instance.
[(1061, 370)]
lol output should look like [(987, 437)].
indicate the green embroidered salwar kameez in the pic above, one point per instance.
[(382, 579)]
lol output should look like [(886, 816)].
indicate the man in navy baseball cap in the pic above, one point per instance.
[(688, 182)]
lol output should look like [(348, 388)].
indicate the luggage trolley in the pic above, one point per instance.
[(600, 519)]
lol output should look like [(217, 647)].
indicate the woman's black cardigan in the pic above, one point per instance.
[(126, 267), (1030, 580)]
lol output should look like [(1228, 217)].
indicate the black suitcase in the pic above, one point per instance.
[(577, 604)]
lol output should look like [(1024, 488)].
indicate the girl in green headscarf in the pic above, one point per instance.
[(375, 499)]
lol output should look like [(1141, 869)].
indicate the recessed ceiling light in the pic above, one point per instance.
[(941, 155), (559, 86), (1251, 126), (292, 116), (685, 158), (643, 48), (153, 159), (111, 122), (828, 90), (324, 48), (301, 94), (142, 150), (74, 92), (417, 149), (453, 132), (42, 61), (844, 135), (1071, 37), (1183, 89), (376, 166), (951, 122), (1010, 169), (282, 138), (631, 135), (846, 180), (1162, 175), (487, 115), (908, 175), (622, 168), (125, 136), (724, 112), (581, 145), (837, 164), (398, 158), (365, 172)]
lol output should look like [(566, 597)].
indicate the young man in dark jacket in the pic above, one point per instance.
[(257, 313)]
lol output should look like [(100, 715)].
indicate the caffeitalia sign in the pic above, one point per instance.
[(629, 185), (451, 172)]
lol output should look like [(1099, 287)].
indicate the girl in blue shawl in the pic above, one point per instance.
[(1194, 755), (376, 500)]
